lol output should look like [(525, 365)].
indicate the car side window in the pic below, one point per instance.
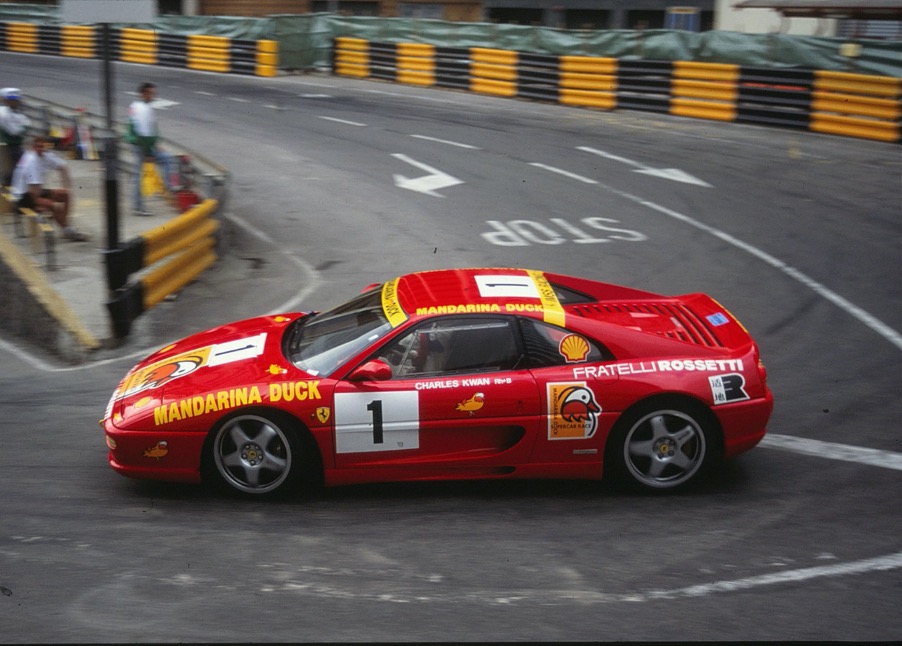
[(453, 345), (549, 345)]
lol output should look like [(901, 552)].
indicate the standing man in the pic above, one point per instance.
[(29, 190), (143, 135), (13, 126)]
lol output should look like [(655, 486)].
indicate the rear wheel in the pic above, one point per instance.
[(257, 454), (663, 447)]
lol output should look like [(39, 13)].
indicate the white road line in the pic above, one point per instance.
[(310, 282), (877, 564), (340, 584), (850, 308), (344, 121), (560, 171), (446, 141), (833, 451)]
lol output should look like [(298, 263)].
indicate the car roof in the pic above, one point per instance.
[(492, 290)]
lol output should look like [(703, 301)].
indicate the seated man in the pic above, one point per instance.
[(29, 190)]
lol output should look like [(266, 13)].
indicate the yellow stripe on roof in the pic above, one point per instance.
[(554, 311), (390, 304)]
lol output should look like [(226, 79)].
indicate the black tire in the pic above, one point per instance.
[(663, 445), (257, 453)]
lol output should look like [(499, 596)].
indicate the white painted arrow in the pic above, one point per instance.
[(674, 174), (163, 104), (427, 184)]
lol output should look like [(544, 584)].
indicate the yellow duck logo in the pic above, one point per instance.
[(158, 451), (472, 404)]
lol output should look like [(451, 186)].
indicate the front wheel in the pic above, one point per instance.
[(663, 447), (257, 454)]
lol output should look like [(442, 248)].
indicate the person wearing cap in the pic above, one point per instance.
[(14, 125), (143, 135), (29, 190)]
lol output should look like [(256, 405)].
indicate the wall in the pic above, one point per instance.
[(768, 21)]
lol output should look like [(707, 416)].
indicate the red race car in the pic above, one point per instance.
[(450, 374)]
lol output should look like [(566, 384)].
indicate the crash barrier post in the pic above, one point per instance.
[(165, 258), (146, 47), (839, 103), (351, 57), (704, 90), (856, 105), (416, 64), (588, 82), (22, 37), (493, 71), (78, 41)]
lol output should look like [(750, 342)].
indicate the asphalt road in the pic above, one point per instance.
[(341, 183)]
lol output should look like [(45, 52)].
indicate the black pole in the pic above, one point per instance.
[(107, 77), (110, 156)]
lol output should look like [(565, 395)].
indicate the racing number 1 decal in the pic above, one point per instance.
[(377, 421), (375, 407)]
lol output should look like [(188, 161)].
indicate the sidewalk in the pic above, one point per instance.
[(78, 276)]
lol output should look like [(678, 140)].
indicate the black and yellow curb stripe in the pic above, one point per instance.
[(148, 47), (839, 103)]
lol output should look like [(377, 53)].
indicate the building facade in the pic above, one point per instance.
[(757, 16), (696, 15)]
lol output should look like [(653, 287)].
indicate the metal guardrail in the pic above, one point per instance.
[(840, 103)]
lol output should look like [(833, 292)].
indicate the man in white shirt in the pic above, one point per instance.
[(29, 190), (143, 134), (14, 124)]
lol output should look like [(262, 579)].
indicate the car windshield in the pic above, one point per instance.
[(321, 343)]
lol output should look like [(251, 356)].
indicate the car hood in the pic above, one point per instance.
[(228, 356)]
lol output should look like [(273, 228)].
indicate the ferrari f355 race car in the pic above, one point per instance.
[(449, 374)]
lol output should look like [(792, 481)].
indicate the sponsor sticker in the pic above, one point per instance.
[(506, 287), (164, 371), (572, 411), (574, 348), (728, 388), (390, 304), (717, 319)]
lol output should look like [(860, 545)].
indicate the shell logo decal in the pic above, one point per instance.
[(574, 348), (471, 405)]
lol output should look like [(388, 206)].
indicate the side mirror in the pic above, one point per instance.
[(375, 370)]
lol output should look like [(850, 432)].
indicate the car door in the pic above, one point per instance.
[(573, 390), (457, 401)]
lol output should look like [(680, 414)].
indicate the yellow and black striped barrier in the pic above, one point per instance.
[(837, 103), (169, 257), (856, 105), (147, 47)]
